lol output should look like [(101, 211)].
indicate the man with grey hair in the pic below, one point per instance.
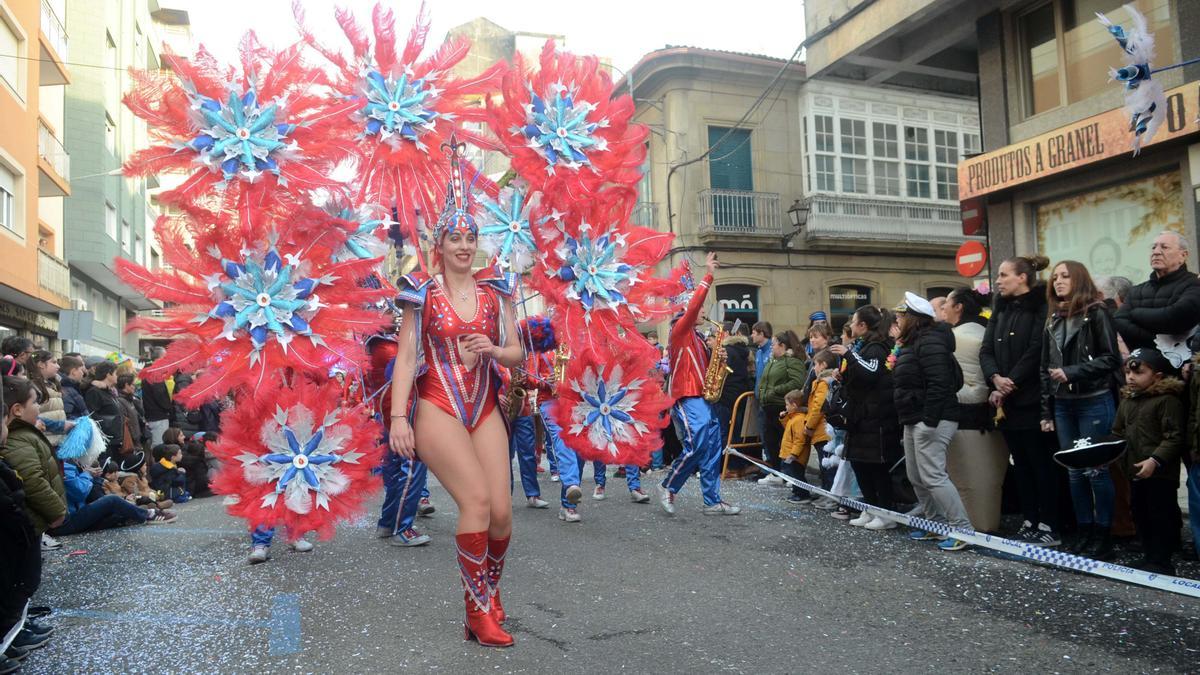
[(156, 400), (1162, 311), (1115, 290)]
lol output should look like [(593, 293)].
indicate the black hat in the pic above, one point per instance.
[(1088, 453), (1152, 358), (133, 461)]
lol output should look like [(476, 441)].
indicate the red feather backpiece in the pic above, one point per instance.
[(613, 409), (244, 310), (247, 137), (564, 131), (294, 457), (406, 108)]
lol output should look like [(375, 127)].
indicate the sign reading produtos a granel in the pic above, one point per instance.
[(1089, 140)]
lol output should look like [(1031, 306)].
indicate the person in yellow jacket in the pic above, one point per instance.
[(805, 430)]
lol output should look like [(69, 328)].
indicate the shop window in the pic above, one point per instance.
[(1067, 53), (1111, 230), (739, 301), (844, 301)]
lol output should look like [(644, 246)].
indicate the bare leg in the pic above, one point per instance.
[(446, 448), (490, 442)]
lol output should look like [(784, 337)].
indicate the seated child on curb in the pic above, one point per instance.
[(166, 476), (1151, 419), (128, 481)]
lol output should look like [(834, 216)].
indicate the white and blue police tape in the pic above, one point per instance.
[(1019, 549)]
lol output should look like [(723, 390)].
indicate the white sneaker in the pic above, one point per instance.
[(878, 523), (536, 503), (259, 554), (638, 497), (862, 519), (569, 515), (574, 494), (301, 546), (554, 478), (771, 480), (50, 543), (598, 493), (722, 509), (667, 500)]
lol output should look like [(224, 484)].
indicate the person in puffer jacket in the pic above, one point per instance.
[(926, 380)]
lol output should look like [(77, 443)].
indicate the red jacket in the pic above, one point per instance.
[(689, 355)]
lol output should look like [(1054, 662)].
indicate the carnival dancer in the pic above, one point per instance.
[(695, 424), (457, 327), (524, 389), (404, 479)]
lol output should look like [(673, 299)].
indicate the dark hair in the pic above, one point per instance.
[(124, 381), (166, 451), (17, 390), (764, 327), (1029, 266), (1083, 293), (825, 357), (173, 435), (794, 396), (102, 370), (877, 323), (34, 373), (743, 329), (69, 362), (912, 324), (791, 341), (972, 303), (15, 345)]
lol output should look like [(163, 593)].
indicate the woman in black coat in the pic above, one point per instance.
[(873, 438), (926, 381), (1011, 357)]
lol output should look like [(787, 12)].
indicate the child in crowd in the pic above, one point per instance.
[(793, 453), (195, 466), (128, 481), (1151, 419), (825, 364), (166, 476)]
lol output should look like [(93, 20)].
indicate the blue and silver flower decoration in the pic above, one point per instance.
[(400, 110), (265, 296), (505, 233), (363, 243), (594, 270), (303, 458), (557, 127), (606, 409), (240, 138)]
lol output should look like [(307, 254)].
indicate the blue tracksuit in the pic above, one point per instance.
[(699, 436), (522, 440), (404, 485)]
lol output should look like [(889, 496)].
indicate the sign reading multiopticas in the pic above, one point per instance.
[(1089, 140)]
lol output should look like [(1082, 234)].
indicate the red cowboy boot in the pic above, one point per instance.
[(497, 548), (480, 625)]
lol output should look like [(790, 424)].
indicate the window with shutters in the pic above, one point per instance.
[(8, 199), (12, 55), (730, 170)]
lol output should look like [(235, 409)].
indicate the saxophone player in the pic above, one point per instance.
[(697, 427)]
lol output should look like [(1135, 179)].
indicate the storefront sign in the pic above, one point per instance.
[(31, 319), (739, 301), (1096, 138)]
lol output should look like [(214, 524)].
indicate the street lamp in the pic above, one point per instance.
[(798, 214)]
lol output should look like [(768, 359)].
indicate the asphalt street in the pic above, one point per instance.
[(775, 589)]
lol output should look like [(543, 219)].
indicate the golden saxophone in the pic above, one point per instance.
[(561, 357), (514, 399), (718, 369)]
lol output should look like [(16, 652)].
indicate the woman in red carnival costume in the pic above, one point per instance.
[(455, 421)]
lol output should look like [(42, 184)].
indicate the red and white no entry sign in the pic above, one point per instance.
[(971, 258)]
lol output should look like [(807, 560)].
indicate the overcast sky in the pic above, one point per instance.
[(622, 30)]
